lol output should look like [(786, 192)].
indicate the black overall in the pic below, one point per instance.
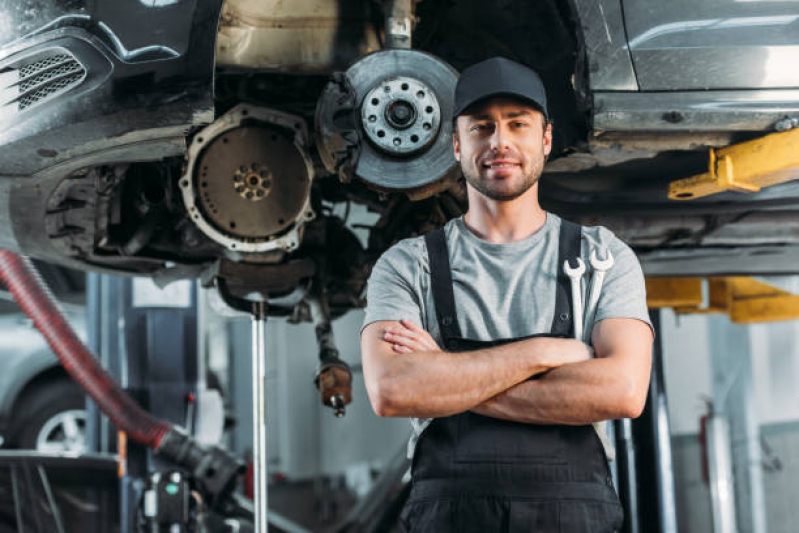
[(483, 474)]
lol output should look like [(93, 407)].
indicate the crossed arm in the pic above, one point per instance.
[(407, 374)]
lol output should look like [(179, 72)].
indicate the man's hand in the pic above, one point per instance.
[(407, 374), (409, 338)]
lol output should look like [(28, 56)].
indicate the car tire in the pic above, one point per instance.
[(50, 418)]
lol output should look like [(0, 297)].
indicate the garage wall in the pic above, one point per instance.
[(773, 354)]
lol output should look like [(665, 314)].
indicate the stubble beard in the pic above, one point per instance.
[(490, 188)]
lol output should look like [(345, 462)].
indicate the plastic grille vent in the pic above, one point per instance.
[(49, 89), (47, 77), (62, 70), (31, 69)]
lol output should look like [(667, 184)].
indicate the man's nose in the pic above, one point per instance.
[(499, 138)]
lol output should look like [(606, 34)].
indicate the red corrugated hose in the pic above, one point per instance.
[(35, 299)]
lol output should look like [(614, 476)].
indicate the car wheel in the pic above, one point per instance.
[(51, 419)]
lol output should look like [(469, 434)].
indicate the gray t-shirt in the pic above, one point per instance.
[(501, 290)]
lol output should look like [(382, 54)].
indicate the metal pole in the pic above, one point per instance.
[(652, 444), (259, 416), (719, 462), (661, 437), (628, 486)]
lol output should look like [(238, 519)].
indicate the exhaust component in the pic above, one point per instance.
[(334, 381), (333, 376)]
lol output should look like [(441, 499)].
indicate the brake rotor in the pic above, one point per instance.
[(253, 182), (407, 95)]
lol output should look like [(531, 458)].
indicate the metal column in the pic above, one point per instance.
[(627, 484), (657, 511), (148, 341), (733, 401), (260, 459)]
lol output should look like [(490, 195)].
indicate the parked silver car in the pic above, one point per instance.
[(40, 406)]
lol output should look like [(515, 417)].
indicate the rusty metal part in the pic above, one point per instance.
[(744, 167), (744, 299), (399, 21), (310, 36), (333, 376), (337, 137), (401, 116), (248, 182), (253, 182), (334, 382)]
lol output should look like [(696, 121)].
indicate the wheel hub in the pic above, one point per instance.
[(401, 116), (65, 432)]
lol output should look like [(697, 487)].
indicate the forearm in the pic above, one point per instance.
[(576, 394), (437, 383)]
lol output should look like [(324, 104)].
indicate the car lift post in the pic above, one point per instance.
[(258, 310), (655, 500), (149, 342), (259, 416)]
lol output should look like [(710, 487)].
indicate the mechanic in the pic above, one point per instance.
[(469, 332)]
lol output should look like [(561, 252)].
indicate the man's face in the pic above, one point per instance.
[(502, 144)]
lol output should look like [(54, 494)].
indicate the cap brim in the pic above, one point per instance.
[(464, 108)]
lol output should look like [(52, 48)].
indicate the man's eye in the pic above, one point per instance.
[(520, 124), (479, 127)]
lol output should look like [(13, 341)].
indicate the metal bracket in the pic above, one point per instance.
[(744, 299), (744, 167)]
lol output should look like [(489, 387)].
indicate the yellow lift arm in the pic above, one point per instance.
[(744, 167), (746, 300)]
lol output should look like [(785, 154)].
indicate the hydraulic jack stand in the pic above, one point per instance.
[(258, 311)]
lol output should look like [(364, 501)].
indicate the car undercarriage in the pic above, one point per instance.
[(238, 151)]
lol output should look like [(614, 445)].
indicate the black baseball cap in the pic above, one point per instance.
[(496, 77)]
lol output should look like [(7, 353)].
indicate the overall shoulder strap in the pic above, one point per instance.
[(441, 284), (569, 244)]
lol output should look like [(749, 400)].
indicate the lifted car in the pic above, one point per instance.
[(195, 138)]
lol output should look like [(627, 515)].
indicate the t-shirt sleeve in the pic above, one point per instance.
[(393, 290), (623, 291)]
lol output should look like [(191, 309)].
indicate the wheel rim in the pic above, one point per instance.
[(63, 433)]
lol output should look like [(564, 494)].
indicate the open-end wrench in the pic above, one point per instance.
[(597, 279), (575, 275)]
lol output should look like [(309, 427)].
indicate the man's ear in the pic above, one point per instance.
[(456, 145), (547, 139)]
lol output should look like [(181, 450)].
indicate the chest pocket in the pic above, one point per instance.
[(485, 439)]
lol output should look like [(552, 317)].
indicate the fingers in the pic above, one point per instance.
[(417, 338), (410, 337), (405, 341)]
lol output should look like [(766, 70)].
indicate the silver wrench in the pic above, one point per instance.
[(597, 279), (575, 275)]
